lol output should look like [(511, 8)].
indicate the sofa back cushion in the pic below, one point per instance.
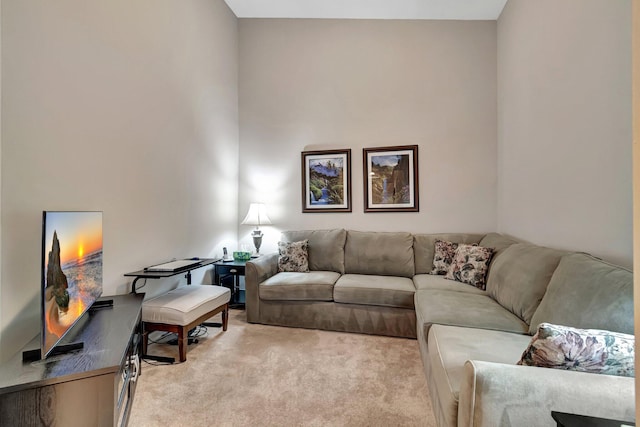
[(520, 275), (588, 293), (424, 244), (326, 247), (379, 253), (498, 242)]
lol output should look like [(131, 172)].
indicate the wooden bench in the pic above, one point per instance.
[(182, 309)]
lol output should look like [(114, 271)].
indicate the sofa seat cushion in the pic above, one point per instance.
[(387, 291), (430, 281), (449, 347), (289, 286), (464, 309)]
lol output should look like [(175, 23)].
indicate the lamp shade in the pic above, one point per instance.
[(257, 215)]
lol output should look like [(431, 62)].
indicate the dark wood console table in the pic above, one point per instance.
[(93, 386)]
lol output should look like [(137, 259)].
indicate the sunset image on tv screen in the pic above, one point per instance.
[(72, 270)]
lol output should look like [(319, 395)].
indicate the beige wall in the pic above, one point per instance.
[(564, 125), (317, 84), (125, 107), (636, 180)]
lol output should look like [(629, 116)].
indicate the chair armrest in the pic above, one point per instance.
[(257, 271), (494, 394)]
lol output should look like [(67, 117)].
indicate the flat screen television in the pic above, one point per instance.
[(71, 272)]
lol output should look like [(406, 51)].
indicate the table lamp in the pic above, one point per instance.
[(257, 216)]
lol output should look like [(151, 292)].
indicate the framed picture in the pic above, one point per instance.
[(391, 179), (326, 181)]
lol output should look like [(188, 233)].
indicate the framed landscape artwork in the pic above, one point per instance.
[(326, 181), (391, 179)]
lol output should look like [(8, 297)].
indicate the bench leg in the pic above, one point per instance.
[(183, 337), (225, 317)]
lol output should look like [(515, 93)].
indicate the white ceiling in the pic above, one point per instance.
[(369, 9)]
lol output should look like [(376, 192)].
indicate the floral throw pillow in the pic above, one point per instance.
[(443, 256), (470, 265), (293, 256), (584, 350)]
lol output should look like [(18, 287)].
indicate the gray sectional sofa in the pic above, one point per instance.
[(470, 339)]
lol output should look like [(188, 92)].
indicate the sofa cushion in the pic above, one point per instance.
[(311, 286), (326, 247), (585, 292), (388, 291), (464, 309), (379, 253), (519, 277), (470, 265), (449, 347), (584, 350), (498, 242), (293, 256), (424, 245), (430, 281), (444, 253)]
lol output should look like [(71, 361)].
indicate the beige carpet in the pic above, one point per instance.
[(258, 375)]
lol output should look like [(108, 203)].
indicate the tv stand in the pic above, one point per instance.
[(64, 389), (101, 303), (35, 355)]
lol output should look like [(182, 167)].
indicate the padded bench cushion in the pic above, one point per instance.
[(290, 286), (183, 305), (388, 291)]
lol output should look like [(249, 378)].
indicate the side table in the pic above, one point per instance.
[(228, 274)]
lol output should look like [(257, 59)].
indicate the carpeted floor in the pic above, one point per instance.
[(258, 375)]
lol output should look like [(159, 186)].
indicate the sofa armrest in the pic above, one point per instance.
[(496, 394), (257, 271)]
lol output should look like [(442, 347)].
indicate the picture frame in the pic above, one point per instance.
[(390, 176), (326, 181)]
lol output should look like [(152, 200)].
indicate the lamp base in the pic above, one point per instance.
[(257, 241)]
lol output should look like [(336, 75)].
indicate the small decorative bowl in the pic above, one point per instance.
[(241, 256)]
